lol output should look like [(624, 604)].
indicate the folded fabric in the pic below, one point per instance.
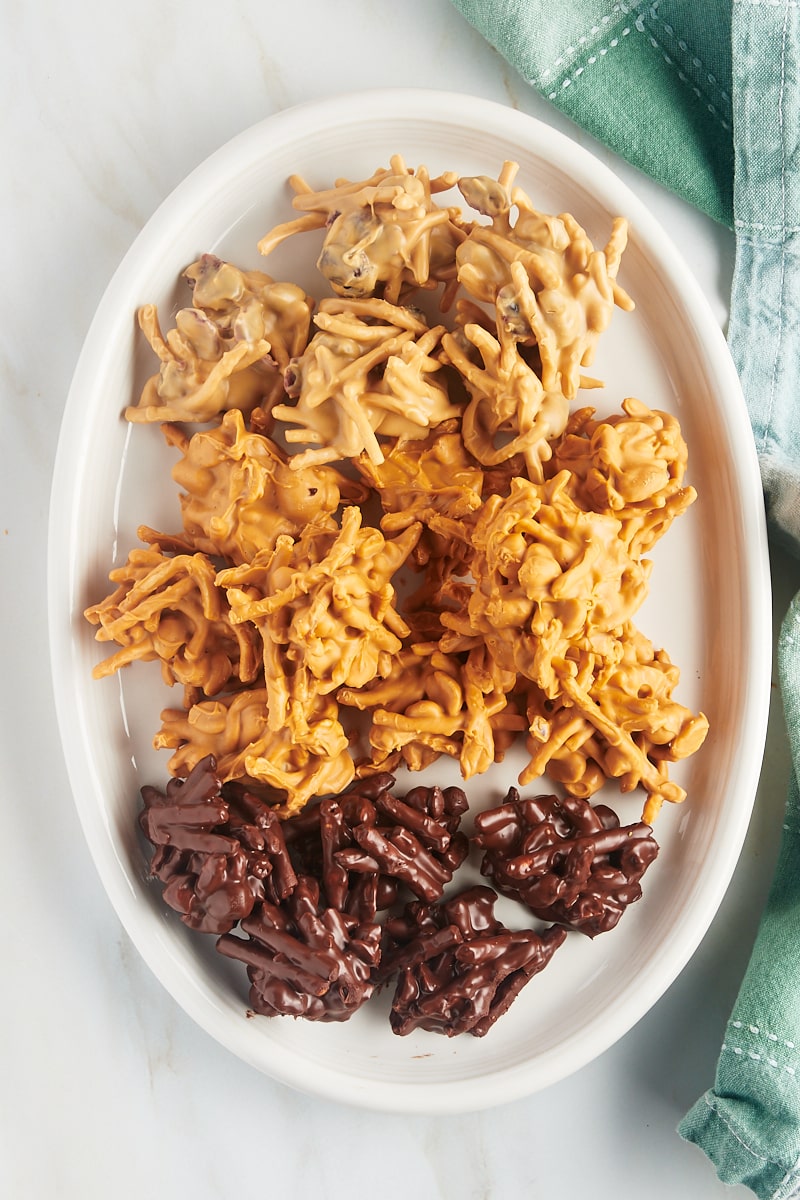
[(763, 332), (706, 99), (749, 1122), (651, 81)]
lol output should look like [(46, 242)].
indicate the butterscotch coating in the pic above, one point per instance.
[(249, 305), (382, 234), (431, 703), (550, 286), (526, 525), (615, 719), (228, 350), (632, 465), (507, 397), (240, 492), (423, 479), (324, 605), (310, 759), (371, 370), (228, 727), (547, 575), (554, 595), (170, 610), (436, 482)]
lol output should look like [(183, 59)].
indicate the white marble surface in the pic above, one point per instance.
[(106, 1087)]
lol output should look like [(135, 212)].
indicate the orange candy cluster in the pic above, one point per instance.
[(457, 552)]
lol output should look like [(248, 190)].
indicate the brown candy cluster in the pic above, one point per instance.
[(458, 966), (216, 855), (567, 861), (349, 894), (305, 959), (364, 844)]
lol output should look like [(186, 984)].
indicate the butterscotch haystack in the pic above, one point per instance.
[(370, 372), (169, 609), (228, 350), (550, 287), (306, 653), (240, 493), (382, 234)]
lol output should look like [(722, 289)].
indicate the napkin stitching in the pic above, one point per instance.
[(771, 1037), (770, 3), (735, 1135), (791, 1175), (754, 1056), (583, 40), (640, 27), (600, 53), (739, 223), (685, 48), (789, 1178)]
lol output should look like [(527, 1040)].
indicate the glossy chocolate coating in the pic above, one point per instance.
[(305, 893), (366, 843), (306, 960), (567, 861), (458, 967), (217, 853)]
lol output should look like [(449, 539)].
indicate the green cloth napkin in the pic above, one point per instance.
[(652, 81), (705, 97)]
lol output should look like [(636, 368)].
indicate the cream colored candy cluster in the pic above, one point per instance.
[(228, 350), (370, 369), (382, 233), (467, 575)]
